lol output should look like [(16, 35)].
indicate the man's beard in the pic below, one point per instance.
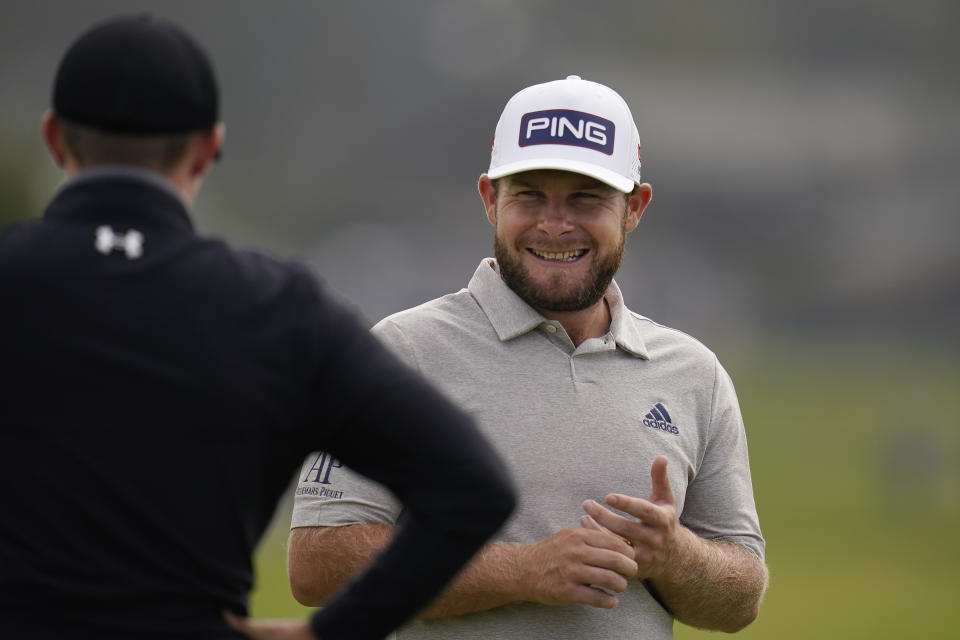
[(548, 297)]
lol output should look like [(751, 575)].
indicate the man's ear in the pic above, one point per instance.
[(52, 135), (208, 146), (636, 204), (488, 193)]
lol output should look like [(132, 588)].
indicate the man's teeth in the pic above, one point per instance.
[(563, 255)]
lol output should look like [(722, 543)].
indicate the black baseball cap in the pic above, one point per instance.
[(137, 75)]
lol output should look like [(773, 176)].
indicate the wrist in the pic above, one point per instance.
[(518, 584), (678, 552)]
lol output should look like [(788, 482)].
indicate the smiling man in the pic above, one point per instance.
[(625, 437), (559, 241)]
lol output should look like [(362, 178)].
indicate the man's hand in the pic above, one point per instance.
[(654, 533), (572, 565), (270, 629), (706, 584)]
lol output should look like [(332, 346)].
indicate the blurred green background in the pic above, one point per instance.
[(804, 225), (855, 454)]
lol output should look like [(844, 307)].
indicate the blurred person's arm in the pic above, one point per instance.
[(565, 568), (364, 406), (400, 432)]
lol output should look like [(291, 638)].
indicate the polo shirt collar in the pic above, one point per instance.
[(507, 312), (511, 317), (625, 331)]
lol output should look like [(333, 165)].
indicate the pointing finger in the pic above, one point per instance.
[(612, 540), (644, 510), (624, 528)]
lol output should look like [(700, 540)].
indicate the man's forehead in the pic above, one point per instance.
[(570, 179)]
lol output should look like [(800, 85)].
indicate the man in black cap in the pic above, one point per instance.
[(159, 389)]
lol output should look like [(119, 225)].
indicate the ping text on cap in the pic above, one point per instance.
[(563, 126)]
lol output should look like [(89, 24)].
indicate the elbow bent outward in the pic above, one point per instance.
[(321, 560)]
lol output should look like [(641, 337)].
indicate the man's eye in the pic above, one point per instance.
[(585, 196)]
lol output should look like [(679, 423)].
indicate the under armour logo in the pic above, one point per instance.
[(130, 242)]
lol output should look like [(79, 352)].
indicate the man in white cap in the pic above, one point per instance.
[(624, 436)]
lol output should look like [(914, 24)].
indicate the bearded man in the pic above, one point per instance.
[(624, 436)]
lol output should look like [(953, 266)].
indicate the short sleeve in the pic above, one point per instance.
[(719, 503), (329, 494)]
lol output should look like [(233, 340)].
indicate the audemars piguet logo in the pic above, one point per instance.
[(319, 474)]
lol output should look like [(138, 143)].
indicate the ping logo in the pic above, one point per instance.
[(658, 418), (563, 126), (130, 242)]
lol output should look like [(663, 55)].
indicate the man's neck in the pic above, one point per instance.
[(162, 180), (592, 322)]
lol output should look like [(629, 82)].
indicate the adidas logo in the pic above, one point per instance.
[(658, 418)]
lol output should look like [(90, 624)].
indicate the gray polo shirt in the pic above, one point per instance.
[(573, 423)]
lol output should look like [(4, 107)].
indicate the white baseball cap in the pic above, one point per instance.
[(572, 125)]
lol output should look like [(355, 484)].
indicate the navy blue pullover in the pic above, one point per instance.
[(158, 392)]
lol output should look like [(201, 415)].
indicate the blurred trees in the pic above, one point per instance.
[(17, 175)]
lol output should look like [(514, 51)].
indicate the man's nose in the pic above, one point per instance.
[(555, 218)]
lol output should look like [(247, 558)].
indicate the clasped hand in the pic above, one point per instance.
[(652, 532)]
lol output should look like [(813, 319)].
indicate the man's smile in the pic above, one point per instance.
[(559, 256)]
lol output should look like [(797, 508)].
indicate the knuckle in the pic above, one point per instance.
[(567, 593), (658, 539), (644, 557)]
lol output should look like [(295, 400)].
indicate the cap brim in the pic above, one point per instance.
[(612, 178)]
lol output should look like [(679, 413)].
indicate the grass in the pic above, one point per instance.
[(856, 465), (271, 597)]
